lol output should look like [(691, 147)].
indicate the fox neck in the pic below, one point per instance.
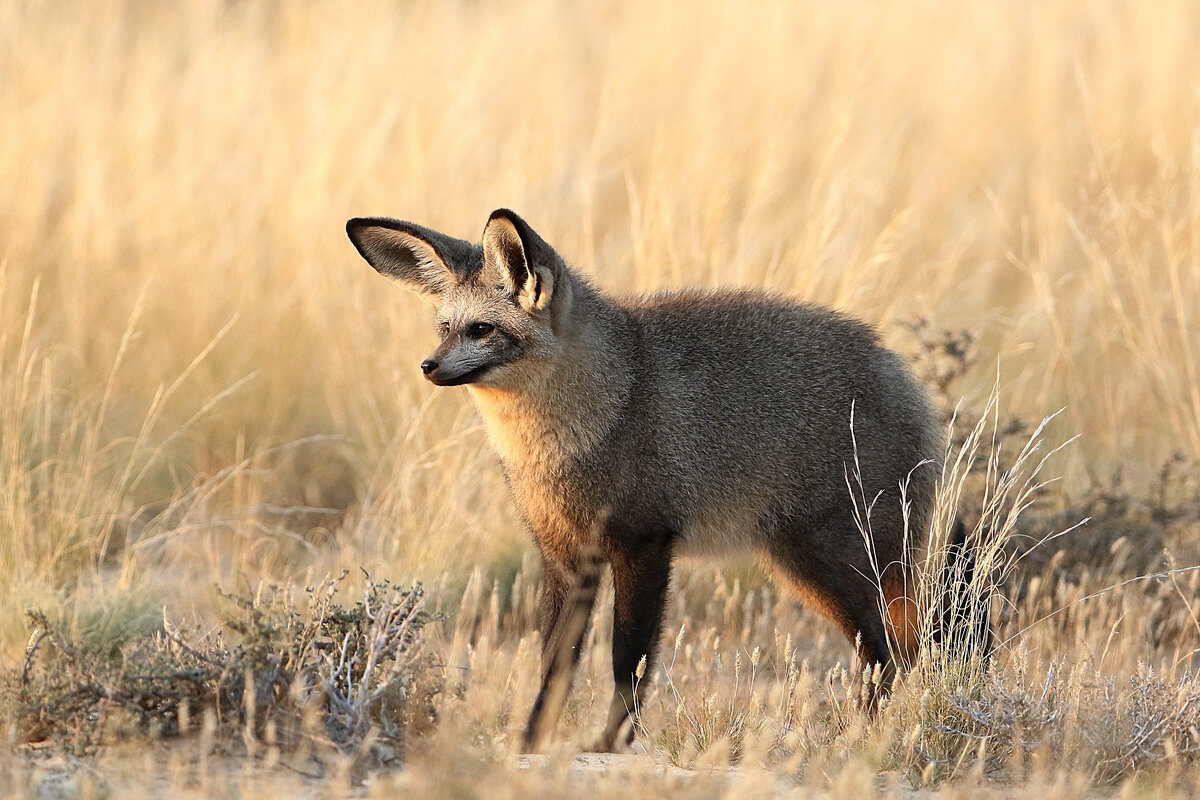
[(571, 405)]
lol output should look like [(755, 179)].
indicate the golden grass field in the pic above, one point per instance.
[(203, 386)]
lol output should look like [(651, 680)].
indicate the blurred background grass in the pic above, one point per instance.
[(201, 382)]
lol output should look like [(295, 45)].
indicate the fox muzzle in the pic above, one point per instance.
[(438, 375)]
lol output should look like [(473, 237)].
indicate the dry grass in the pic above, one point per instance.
[(201, 384)]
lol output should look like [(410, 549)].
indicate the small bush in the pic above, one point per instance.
[(270, 672)]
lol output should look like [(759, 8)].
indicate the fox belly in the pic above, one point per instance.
[(722, 532)]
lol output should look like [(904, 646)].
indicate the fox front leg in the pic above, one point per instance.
[(568, 596), (641, 573)]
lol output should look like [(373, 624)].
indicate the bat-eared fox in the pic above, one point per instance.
[(634, 430)]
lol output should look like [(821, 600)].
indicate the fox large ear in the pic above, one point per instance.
[(422, 259), (526, 266)]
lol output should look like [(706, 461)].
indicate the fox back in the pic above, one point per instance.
[(686, 422)]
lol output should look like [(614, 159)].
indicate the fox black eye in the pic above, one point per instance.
[(478, 330), (443, 328)]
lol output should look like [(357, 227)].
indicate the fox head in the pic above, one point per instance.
[(500, 305)]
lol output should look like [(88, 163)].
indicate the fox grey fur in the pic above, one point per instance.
[(632, 430)]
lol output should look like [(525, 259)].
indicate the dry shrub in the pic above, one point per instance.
[(272, 672), (1078, 718)]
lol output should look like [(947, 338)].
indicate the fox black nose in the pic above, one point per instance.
[(428, 366)]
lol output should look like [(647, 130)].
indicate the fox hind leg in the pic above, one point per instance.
[(839, 590)]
